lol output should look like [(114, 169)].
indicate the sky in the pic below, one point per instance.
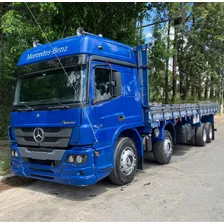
[(148, 31)]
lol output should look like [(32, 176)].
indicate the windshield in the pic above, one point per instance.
[(45, 86)]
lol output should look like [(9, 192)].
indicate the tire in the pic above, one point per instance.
[(208, 127), (162, 154), (193, 138), (201, 135), (125, 162)]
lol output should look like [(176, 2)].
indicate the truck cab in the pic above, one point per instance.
[(73, 99)]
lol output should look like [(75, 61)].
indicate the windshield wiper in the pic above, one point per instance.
[(61, 105), (24, 104)]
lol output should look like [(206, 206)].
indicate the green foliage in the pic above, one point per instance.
[(198, 49)]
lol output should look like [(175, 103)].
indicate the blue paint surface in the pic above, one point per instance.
[(92, 45)]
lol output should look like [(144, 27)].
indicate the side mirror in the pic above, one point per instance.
[(116, 83)]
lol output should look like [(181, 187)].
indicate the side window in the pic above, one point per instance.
[(104, 89)]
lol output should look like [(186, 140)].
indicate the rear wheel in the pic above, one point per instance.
[(125, 162), (208, 127), (163, 150), (201, 135), (193, 138)]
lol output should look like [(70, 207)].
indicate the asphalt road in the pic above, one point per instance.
[(190, 188)]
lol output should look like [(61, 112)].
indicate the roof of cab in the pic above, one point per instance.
[(87, 44)]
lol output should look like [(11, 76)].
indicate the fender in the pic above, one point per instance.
[(123, 128), (171, 128), (139, 147)]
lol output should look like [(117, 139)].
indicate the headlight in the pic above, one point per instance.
[(16, 154), (70, 159), (77, 159)]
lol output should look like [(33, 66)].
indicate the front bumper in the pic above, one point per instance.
[(77, 175)]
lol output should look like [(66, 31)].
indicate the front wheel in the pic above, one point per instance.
[(163, 150), (125, 162)]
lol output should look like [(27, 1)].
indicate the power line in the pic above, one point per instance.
[(201, 43)]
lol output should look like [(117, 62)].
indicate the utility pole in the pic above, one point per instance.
[(168, 58), (167, 65), (141, 31)]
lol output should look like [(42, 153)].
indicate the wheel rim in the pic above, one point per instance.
[(167, 147), (210, 133), (204, 135), (127, 161)]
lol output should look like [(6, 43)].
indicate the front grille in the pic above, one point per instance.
[(55, 137), (44, 162), (27, 129), (46, 139), (53, 130), (47, 130), (39, 149)]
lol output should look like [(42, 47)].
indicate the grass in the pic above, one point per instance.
[(4, 165), (4, 158)]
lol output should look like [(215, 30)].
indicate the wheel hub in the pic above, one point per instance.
[(127, 161), (167, 147)]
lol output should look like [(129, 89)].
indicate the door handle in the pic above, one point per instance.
[(121, 118)]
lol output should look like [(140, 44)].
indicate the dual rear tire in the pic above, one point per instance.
[(209, 131), (203, 134)]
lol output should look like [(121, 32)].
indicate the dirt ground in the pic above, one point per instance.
[(190, 188)]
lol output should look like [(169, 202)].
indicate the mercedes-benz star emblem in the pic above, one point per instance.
[(38, 135)]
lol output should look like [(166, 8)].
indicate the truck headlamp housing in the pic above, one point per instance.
[(77, 159), (14, 153)]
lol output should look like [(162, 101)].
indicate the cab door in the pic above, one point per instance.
[(107, 100)]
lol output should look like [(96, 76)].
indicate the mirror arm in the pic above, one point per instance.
[(110, 79)]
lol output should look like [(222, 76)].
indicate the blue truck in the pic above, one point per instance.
[(81, 112)]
